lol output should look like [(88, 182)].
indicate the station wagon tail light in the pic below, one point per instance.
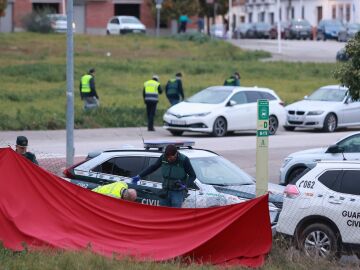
[(68, 172), (291, 191)]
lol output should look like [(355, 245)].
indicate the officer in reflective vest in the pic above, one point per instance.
[(234, 80), (117, 190), (174, 89), (151, 92), (177, 173), (88, 91)]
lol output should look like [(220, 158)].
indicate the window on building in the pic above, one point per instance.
[(280, 14), (51, 7), (347, 14), (341, 12), (302, 12), (292, 13), (250, 17), (242, 19), (319, 12), (271, 18), (333, 11)]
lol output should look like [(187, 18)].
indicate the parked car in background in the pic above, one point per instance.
[(331, 29), (242, 30), (218, 110), (352, 29), (298, 29), (119, 25), (321, 210), (218, 31), (261, 30), (342, 56), (218, 181), (58, 23), (296, 163), (328, 108)]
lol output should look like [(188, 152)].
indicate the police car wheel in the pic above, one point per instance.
[(318, 240)]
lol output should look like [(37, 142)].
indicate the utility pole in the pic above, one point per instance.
[(70, 84), (230, 20), (278, 25), (158, 7)]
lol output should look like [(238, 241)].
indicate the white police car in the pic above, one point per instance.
[(293, 165), (219, 182), (322, 210)]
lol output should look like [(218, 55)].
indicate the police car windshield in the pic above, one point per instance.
[(219, 171), (210, 96)]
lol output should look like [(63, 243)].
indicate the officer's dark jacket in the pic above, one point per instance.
[(30, 156), (174, 89), (232, 81), (180, 170)]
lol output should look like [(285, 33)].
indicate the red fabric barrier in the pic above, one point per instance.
[(43, 210)]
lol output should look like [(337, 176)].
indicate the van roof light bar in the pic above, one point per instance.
[(161, 144)]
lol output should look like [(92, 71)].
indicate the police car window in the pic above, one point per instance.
[(331, 179), (155, 176), (252, 96), (128, 166), (350, 182), (239, 98), (266, 95), (351, 144), (106, 167)]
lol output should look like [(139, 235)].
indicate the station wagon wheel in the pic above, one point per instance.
[(330, 123), (318, 240), (219, 127), (273, 125), (176, 132)]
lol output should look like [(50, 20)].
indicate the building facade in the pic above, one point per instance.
[(90, 16)]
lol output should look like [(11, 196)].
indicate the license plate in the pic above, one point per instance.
[(178, 122), (303, 33), (295, 118), (136, 31)]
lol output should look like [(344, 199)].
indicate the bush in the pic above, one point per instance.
[(38, 21)]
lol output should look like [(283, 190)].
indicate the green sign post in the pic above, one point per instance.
[(262, 144)]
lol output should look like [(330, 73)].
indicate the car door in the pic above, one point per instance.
[(239, 113), (349, 199), (351, 112), (114, 26)]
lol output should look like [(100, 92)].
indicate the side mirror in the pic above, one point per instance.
[(333, 149), (231, 103)]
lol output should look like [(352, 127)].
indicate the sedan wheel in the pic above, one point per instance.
[(219, 127), (273, 125), (330, 123), (318, 240)]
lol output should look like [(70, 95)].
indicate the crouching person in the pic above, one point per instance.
[(117, 190)]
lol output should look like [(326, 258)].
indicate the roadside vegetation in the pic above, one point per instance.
[(281, 257), (33, 76)]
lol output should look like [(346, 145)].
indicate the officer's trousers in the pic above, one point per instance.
[(150, 111)]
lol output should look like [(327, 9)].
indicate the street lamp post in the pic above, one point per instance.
[(158, 7), (230, 20)]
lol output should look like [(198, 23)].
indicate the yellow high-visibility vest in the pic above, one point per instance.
[(85, 83), (151, 90), (115, 190)]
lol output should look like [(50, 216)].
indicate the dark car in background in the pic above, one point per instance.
[(352, 29), (274, 30), (298, 29), (242, 30), (331, 29), (259, 30)]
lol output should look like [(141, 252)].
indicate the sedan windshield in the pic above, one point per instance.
[(210, 96), (326, 94), (130, 20), (219, 171)]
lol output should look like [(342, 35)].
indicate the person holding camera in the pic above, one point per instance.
[(177, 173)]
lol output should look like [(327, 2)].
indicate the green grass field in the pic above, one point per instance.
[(33, 76)]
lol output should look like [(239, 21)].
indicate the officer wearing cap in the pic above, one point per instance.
[(177, 173), (151, 92), (88, 91), (21, 146), (174, 89)]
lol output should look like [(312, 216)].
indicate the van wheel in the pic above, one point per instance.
[(219, 127), (273, 125), (318, 240), (330, 123), (176, 132)]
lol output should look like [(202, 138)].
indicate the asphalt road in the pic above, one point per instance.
[(239, 148), (294, 50)]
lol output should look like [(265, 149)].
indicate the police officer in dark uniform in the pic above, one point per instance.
[(174, 89), (234, 80), (151, 92), (177, 173), (88, 91), (21, 146)]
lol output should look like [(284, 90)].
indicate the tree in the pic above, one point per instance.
[(349, 72), (172, 9), (3, 5)]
